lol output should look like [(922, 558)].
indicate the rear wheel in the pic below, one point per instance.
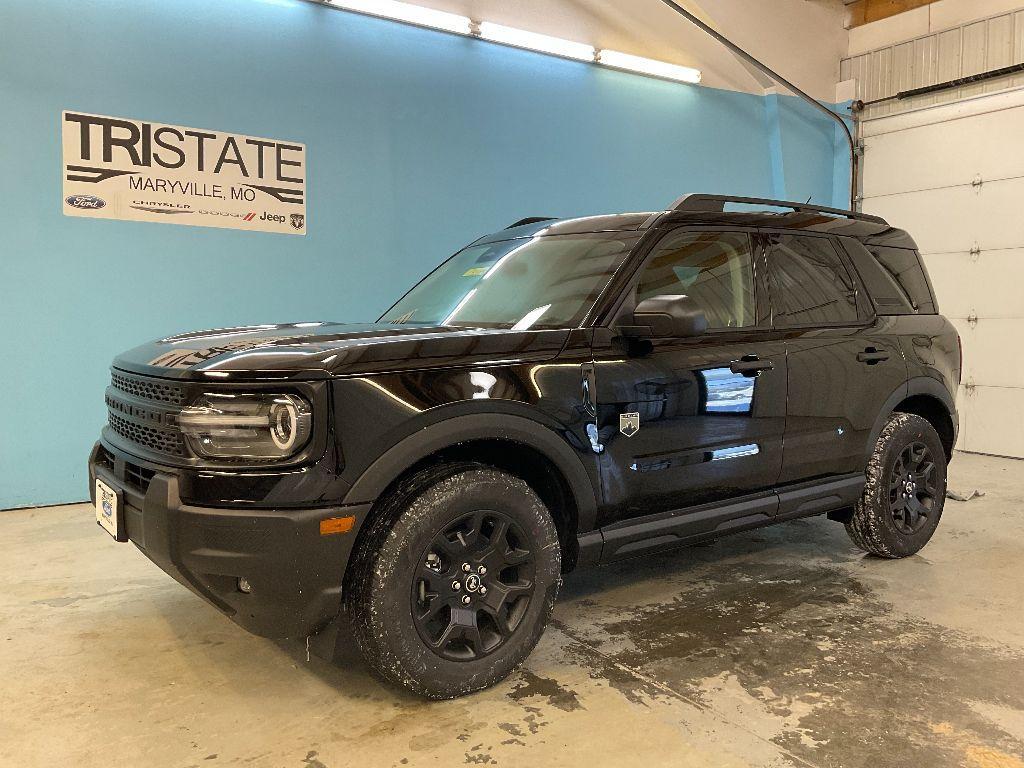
[(905, 490), (453, 585)]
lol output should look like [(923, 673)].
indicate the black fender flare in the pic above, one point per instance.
[(444, 434), (920, 385)]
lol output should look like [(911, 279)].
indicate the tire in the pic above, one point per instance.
[(905, 490), (409, 579)]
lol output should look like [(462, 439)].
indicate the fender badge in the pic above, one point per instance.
[(629, 423)]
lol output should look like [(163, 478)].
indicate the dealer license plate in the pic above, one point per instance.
[(107, 511)]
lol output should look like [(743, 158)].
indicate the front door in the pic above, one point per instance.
[(687, 423)]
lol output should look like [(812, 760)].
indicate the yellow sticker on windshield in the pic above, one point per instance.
[(475, 271)]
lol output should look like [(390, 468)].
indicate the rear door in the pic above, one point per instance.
[(843, 364)]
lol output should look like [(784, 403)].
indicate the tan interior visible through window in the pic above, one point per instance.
[(715, 269)]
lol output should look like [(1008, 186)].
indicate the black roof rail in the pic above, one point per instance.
[(701, 203), (531, 220)]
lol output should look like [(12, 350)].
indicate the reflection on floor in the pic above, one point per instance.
[(778, 647)]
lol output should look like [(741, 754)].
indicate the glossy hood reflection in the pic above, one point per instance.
[(324, 349)]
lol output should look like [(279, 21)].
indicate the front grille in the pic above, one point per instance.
[(148, 389), (133, 475), (105, 458), (138, 477), (143, 410), (159, 440)]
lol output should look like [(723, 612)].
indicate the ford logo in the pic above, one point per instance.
[(85, 201)]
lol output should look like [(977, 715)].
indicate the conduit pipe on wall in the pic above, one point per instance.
[(742, 54)]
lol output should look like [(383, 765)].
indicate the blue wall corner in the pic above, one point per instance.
[(417, 143), (776, 152), (810, 155)]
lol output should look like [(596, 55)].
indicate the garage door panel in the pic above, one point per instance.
[(919, 173), (992, 420), (947, 271), (957, 218), (966, 284), (990, 352), (945, 153)]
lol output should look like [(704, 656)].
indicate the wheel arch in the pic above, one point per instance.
[(515, 444), (928, 399)]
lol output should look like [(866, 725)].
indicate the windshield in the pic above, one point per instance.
[(542, 282)]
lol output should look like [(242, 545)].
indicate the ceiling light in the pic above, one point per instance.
[(412, 14), (649, 66), (536, 42)]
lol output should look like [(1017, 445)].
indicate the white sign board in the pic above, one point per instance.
[(116, 168)]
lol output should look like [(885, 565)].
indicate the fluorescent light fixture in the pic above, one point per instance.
[(649, 66), (520, 38), (409, 13)]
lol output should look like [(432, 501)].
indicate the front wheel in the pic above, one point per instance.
[(453, 585), (905, 490)]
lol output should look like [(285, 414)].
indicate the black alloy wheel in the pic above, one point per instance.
[(904, 489), (912, 488), (452, 584), (474, 586)]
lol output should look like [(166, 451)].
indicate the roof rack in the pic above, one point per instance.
[(531, 220), (701, 203)]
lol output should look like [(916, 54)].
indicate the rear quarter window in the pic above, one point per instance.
[(894, 277)]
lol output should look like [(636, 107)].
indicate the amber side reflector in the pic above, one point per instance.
[(337, 525)]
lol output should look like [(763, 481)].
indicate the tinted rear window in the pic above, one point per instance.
[(809, 284), (894, 277)]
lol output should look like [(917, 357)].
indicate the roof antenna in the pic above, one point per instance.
[(854, 165)]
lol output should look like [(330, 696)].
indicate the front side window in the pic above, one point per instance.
[(715, 269), (540, 282), (809, 284)]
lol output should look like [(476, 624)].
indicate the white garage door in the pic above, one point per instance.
[(953, 176)]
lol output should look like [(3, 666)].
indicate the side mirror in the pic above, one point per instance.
[(667, 317)]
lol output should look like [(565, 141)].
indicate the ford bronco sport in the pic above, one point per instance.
[(558, 394)]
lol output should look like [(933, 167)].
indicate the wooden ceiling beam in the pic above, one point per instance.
[(863, 12)]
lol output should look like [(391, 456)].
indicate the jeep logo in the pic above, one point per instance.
[(267, 216)]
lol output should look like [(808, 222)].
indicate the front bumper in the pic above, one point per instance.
[(295, 572)]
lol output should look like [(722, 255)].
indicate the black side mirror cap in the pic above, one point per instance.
[(666, 317)]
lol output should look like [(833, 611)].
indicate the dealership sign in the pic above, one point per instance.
[(116, 168)]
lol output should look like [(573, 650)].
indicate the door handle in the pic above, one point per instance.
[(750, 366), (872, 356)]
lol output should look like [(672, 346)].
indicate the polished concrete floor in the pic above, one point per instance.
[(778, 647)]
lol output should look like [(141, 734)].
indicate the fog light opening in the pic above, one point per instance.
[(244, 586)]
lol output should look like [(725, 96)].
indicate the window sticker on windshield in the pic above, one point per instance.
[(475, 271)]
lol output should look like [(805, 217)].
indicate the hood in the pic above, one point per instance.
[(321, 350)]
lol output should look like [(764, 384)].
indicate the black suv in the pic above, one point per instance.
[(557, 394)]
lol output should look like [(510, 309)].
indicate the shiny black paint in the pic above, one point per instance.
[(834, 399), (685, 454), (388, 397)]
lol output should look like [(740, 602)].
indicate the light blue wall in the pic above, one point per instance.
[(417, 142), (810, 154)]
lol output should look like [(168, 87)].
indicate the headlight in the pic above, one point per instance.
[(247, 426)]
